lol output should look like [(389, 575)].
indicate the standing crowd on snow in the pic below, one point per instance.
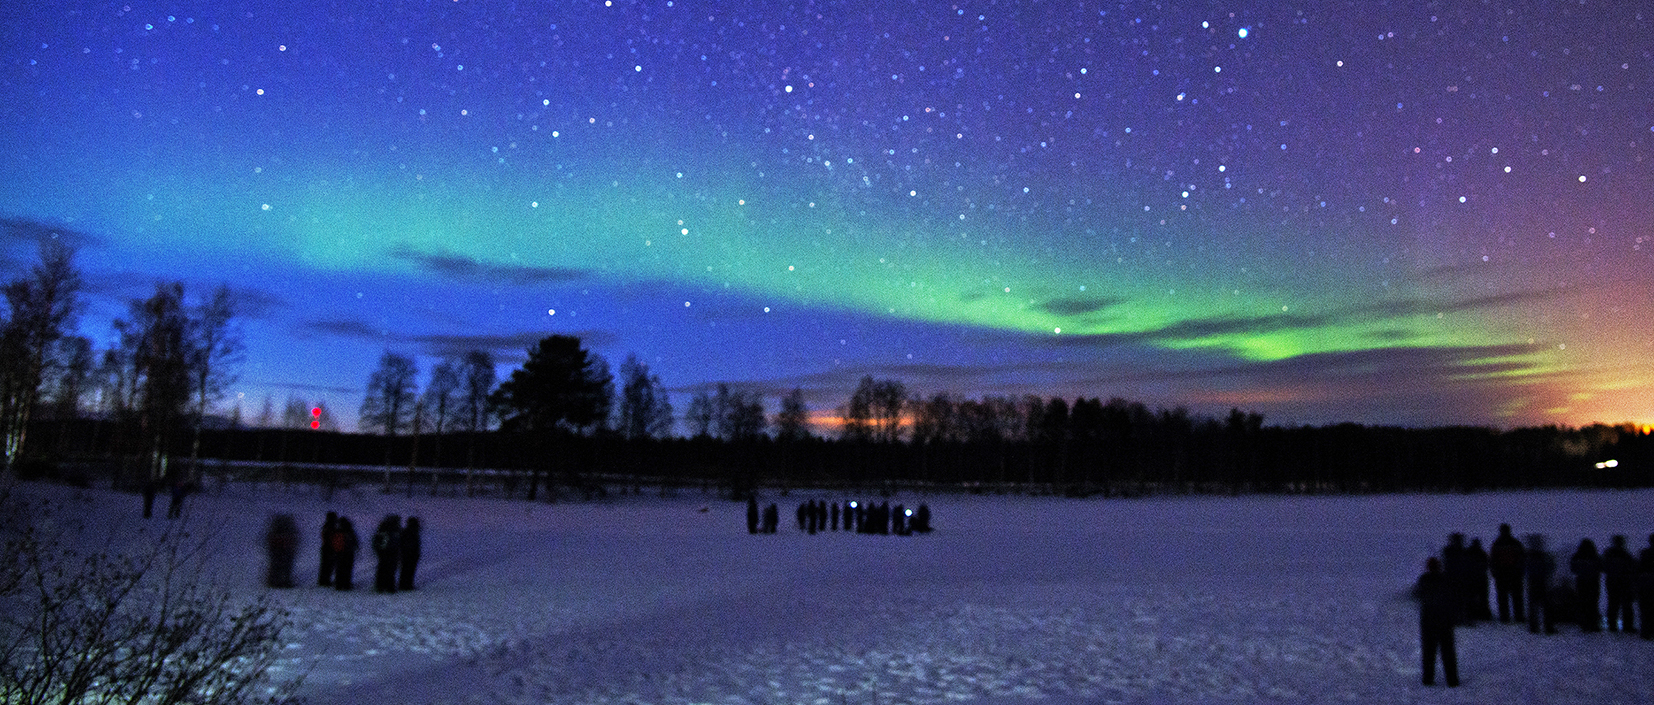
[(396, 550), (1453, 591), (817, 515)]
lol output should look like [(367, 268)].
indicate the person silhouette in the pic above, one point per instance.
[(1438, 608), (1619, 577), (409, 558), (324, 578), (1475, 590), (1586, 565), (387, 548), (1645, 587), (1453, 564), (345, 544), (281, 543), (1505, 561), (1540, 567)]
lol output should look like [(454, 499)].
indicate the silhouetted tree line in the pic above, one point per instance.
[(558, 421), (152, 388), (1131, 451)]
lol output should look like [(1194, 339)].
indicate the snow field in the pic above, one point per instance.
[(1012, 600)]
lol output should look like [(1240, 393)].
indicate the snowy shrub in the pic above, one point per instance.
[(133, 621)]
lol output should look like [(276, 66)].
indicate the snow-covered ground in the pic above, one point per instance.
[(1011, 600)]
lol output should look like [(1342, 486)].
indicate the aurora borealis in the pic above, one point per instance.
[(1402, 213)]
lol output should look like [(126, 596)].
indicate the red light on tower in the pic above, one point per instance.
[(315, 417)]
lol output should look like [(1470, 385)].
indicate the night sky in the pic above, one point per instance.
[(1400, 213)]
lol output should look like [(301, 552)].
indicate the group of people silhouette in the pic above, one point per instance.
[(817, 515), (396, 549), (1453, 591)]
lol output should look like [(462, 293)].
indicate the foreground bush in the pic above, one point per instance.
[(137, 622)]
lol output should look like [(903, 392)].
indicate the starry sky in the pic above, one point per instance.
[(1390, 213)]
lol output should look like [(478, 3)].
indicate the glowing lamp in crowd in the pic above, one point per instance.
[(1604, 465), (908, 512), (852, 505)]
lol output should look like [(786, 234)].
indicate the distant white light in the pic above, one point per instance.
[(551, 312), (1243, 32), (265, 207), (1582, 178)]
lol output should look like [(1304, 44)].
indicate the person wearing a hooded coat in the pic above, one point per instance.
[(1505, 562), (1540, 567), (1438, 607), (410, 555), (1586, 565), (752, 514), (387, 547), (1619, 578), (325, 577), (345, 543)]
